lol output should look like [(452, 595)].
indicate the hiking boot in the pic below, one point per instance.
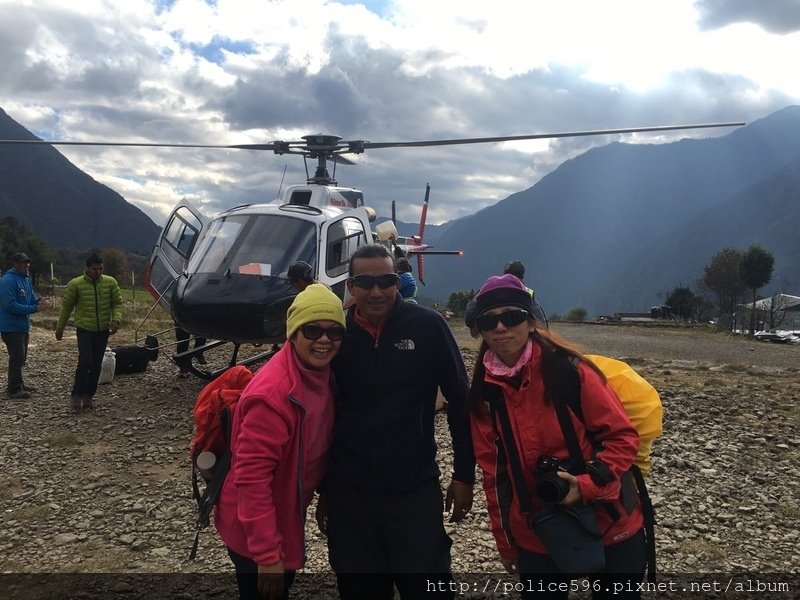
[(88, 403), (19, 395), (76, 402)]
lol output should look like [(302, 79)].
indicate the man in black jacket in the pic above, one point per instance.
[(382, 501)]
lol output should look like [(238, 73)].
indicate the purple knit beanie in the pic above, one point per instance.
[(503, 290)]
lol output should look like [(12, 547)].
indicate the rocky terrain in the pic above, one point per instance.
[(109, 492)]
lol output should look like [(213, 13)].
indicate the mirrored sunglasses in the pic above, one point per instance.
[(509, 318), (313, 332), (367, 282)]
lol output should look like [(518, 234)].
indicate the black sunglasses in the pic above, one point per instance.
[(509, 318), (313, 332), (367, 282)]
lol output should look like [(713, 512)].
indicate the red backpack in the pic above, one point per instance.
[(210, 450)]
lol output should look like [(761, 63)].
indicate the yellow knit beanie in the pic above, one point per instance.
[(315, 303)]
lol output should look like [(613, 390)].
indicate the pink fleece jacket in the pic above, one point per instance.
[(282, 429)]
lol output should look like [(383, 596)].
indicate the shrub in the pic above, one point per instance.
[(577, 314)]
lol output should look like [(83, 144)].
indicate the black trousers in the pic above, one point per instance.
[(91, 348), (17, 344), (380, 540), (183, 336), (625, 566), (247, 578)]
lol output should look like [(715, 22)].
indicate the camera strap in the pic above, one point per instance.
[(493, 394), (560, 385), (568, 431)]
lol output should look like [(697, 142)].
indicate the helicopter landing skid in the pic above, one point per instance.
[(213, 374)]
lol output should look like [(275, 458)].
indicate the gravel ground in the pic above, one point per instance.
[(109, 492)]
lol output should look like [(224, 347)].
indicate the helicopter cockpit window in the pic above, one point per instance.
[(344, 238), (180, 236), (256, 245)]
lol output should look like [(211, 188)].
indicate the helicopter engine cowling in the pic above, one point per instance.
[(236, 307)]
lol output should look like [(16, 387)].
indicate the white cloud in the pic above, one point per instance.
[(231, 72)]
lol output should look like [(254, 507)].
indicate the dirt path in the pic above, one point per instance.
[(699, 344), (109, 492)]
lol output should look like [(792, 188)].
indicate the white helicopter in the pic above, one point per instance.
[(225, 278)]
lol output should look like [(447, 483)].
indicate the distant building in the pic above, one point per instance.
[(781, 312)]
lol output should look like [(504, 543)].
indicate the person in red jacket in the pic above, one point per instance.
[(282, 428), (515, 352)]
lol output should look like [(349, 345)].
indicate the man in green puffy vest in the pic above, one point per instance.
[(97, 302)]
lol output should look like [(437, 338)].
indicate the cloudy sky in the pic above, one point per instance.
[(246, 71)]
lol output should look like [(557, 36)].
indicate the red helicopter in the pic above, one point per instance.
[(414, 246)]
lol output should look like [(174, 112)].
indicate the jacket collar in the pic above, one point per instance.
[(374, 330), (301, 377)]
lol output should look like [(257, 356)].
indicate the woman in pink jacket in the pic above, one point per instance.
[(281, 432)]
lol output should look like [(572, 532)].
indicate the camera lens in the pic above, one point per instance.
[(551, 488)]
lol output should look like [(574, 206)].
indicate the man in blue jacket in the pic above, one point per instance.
[(17, 304), (381, 505)]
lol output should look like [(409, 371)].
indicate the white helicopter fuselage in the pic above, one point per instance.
[(226, 278)]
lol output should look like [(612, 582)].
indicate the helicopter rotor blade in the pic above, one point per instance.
[(282, 147), (326, 147), (142, 144), (300, 146), (343, 160), (538, 136)]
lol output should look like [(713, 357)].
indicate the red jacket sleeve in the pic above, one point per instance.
[(496, 480), (604, 415)]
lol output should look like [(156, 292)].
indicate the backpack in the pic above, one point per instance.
[(131, 359), (640, 400), (210, 450), (643, 406), (134, 359)]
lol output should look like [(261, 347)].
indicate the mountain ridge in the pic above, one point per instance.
[(580, 224), (765, 213), (63, 205)]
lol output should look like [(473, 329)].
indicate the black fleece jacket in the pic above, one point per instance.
[(383, 435)]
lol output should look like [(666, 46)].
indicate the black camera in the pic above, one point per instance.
[(549, 486)]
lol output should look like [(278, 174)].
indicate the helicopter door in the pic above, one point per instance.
[(175, 245), (339, 239)]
